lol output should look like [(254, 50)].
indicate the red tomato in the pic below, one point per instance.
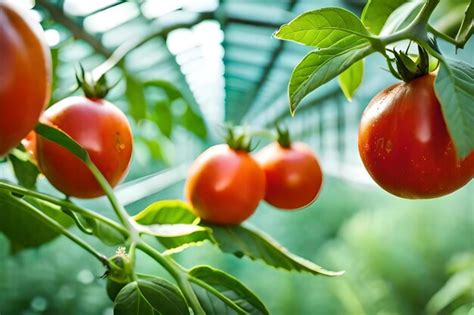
[(25, 75), (293, 175), (100, 128), (224, 185), (405, 146)]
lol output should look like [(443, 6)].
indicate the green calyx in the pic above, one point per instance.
[(238, 140), (120, 267), (92, 88), (283, 136), (410, 67)]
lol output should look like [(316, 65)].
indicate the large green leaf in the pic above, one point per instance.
[(220, 293), (319, 67), (193, 122), (245, 241), (152, 296), (22, 226), (324, 28), (454, 87), (376, 13), (350, 79), (173, 224)]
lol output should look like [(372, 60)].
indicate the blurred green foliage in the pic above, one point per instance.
[(400, 257)]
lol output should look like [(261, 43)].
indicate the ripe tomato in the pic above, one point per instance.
[(293, 175), (225, 185), (25, 75), (100, 128), (405, 146)]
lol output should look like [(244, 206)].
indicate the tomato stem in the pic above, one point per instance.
[(61, 229), (178, 273), (65, 204)]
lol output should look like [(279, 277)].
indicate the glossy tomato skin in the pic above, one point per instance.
[(405, 146), (293, 175), (100, 128), (29, 142), (225, 186), (25, 75)]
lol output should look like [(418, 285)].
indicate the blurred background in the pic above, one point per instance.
[(191, 66)]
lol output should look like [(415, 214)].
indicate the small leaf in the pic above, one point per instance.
[(135, 95), (174, 224), (171, 91), (57, 136), (151, 296), (240, 241), (193, 122), (163, 117), (221, 293), (179, 236), (467, 26), (26, 171), (350, 79), (454, 87), (22, 227), (376, 13), (319, 67), (166, 212), (324, 28)]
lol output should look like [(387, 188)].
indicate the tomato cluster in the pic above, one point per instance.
[(226, 184), (97, 125)]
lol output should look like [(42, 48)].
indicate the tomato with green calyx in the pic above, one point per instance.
[(25, 75), (293, 173), (100, 128), (119, 273), (225, 184), (405, 145)]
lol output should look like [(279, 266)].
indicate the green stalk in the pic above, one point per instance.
[(178, 274), (61, 229), (120, 211), (64, 203)]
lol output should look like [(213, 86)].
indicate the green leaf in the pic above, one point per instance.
[(26, 171), (22, 227), (177, 237), (350, 79), (402, 16), (240, 241), (193, 122), (454, 87), (171, 91), (163, 117), (167, 212), (467, 26), (152, 296), (324, 28), (319, 67), (57, 136), (221, 293), (376, 13), (135, 95), (173, 223)]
